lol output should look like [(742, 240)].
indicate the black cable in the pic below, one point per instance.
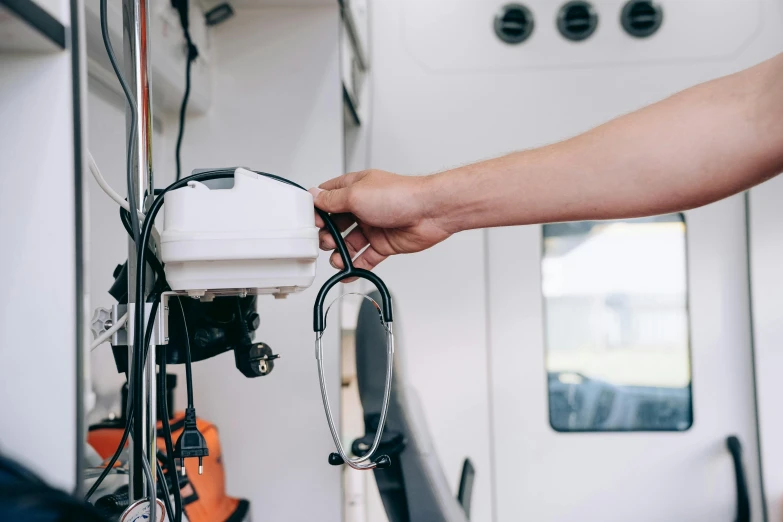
[(188, 362), (134, 219), (184, 20), (171, 463), (135, 226), (166, 494), (183, 108), (153, 261), (129, 415)]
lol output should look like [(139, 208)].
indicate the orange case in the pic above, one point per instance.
[(204, 496)]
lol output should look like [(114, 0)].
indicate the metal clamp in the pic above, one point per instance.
[(104, 318)]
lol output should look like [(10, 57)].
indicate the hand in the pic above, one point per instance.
[(390, 211)]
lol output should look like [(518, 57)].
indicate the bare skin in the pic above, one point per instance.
[(694, 148)]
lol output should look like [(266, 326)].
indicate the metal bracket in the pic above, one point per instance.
[(159, 333), (104, 318)]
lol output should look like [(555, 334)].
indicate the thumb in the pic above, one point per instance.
[(332, 201)]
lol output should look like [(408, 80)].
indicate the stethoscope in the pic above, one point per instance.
[(319, 325)]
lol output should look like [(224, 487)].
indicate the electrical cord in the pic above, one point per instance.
[(166, 493), (153, 261), (183, 108), (153, 493), (188, 362), (184, 20), (191, 443), (135, 225), (171, 464)]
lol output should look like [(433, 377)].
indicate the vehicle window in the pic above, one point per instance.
[(616, 325)]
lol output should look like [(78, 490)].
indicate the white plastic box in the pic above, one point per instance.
[(257, 237)]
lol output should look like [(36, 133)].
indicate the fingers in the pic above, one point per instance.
[(368, 259), (333, 201), (346, 180), (343, 222), (354, 242), (333, 196)]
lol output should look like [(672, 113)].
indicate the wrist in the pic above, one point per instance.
[(443, 202)]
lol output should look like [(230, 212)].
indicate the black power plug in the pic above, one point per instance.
[(191, 442)]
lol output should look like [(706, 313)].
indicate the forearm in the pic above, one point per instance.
[(699, 146)]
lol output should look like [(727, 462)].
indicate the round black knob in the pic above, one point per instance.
[(383, 462), (253, 322), (335, 459)]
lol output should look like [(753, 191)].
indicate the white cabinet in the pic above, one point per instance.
[(41, 266)]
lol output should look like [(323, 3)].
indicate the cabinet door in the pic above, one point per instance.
[(621, 363)]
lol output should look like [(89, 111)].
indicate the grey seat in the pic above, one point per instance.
[(414, 488)]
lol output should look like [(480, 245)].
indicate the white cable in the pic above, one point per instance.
[(105, 336), (96, 173)]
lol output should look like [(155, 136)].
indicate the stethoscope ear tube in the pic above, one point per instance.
[(319, 321)]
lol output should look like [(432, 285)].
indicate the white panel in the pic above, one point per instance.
[(37, 265), (277, 108), (556, 476), (766, 255), (457, 35)]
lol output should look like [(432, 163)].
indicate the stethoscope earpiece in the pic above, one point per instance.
[(381, 462)]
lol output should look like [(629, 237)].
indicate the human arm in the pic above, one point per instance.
[(694, 148)]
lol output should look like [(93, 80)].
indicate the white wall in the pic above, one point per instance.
[(277, 107)]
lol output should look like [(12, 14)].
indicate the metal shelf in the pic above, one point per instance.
[(350, 108), (27, 27)]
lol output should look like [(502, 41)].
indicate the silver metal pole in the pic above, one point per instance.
[(135, 21)]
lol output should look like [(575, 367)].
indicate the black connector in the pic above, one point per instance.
[(191, 442)]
